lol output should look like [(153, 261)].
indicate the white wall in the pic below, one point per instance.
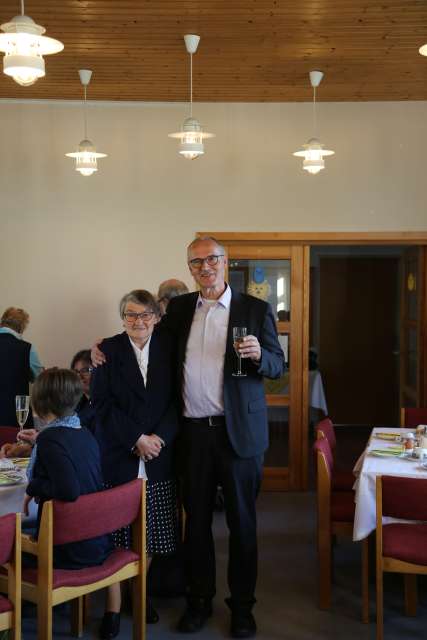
[(71, 246)]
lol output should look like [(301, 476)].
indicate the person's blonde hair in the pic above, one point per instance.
[(15, 318)]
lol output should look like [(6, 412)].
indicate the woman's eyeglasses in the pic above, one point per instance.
[(131, 316), (83, 371)]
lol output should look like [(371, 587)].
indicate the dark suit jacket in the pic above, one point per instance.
[(244, 398), (125, 408)]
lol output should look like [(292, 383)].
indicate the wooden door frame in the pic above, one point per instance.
[(249, 243)]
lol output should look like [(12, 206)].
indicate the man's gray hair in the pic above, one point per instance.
[(205, 239), (139, 296), (171, 289)]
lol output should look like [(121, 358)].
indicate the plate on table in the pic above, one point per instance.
[(10, 478), (22, 463)]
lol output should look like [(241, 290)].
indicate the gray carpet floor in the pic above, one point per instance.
[(287, 587)]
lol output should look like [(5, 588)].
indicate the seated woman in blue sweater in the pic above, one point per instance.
[(65, 461)]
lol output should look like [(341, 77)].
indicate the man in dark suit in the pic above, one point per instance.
[(224, 429)]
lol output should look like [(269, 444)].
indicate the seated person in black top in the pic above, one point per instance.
[(82, 365), (65, 462)]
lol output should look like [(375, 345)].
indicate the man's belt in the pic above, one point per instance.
[(211, 421)]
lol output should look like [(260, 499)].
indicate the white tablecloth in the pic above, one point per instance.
[(317, 398), (11, 499), (366, 470)]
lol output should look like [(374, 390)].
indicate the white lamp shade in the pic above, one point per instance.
[(313, 154), (86, 158), (24, 47), (191, 136)]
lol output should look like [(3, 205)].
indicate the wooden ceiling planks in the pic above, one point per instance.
[(251, 50)]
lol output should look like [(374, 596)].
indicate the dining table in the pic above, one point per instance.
[(12, 496), (381, 457)]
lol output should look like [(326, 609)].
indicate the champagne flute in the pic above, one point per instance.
[(238, 334), (22, 410)]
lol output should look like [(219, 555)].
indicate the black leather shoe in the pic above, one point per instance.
[(194, 618), (110, 625), (151, 615), (243, 624)]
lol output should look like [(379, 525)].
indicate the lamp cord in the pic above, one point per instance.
[(314, 113), (85, 114), (191, 85)]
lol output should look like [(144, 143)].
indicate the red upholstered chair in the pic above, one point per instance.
[(8, 434), (335, 517), (10, 555), (342, 479), (413, 416), (401, 546), (89, 516)]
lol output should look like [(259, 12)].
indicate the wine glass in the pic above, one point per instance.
[(238, 334), (22, 410)]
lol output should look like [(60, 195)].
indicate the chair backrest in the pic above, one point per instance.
[(324, 459), (413, 416), (95, 514), (326, 427), (8, 434), (404, 498), (7, 537)]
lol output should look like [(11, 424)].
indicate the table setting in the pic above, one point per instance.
[(392, 452)]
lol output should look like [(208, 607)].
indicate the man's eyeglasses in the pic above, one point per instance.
[(83, 371), (131, 316), (212, 260)]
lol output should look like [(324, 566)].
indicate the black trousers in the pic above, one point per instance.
[(208, 460)]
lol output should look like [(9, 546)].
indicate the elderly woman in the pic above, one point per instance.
[(136, 424), (20, 363)]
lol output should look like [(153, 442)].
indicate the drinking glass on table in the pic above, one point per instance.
[(238, 334), (22, 410)]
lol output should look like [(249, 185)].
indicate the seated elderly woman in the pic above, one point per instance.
[(82, 365), (65, 462), (136, 426)]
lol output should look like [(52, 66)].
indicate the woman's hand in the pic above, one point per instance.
[(27, 435), (27, 500), (96, 354), (149, 447)]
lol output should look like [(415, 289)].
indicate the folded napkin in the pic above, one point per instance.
[(395, 452), (386, 436)]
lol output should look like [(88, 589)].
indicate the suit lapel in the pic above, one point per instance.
[(187, 320), (130, 368)]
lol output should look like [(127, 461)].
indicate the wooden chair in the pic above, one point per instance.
[(401, 546), (89, 516), (335, 516), (342, 479), (10, 555), (413, 416), (8, 434)]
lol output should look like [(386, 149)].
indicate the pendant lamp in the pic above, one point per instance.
[(313, 152), (24, 46), (86, 155), (191, 134)]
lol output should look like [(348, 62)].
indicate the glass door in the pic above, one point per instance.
[(275, 274)]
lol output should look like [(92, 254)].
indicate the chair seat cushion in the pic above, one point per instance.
[(342, 480), (342, 506), (5, 604), (405, 542), (79, 577)]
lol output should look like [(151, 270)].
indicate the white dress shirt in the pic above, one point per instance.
[(142, 356), (203, 391)]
